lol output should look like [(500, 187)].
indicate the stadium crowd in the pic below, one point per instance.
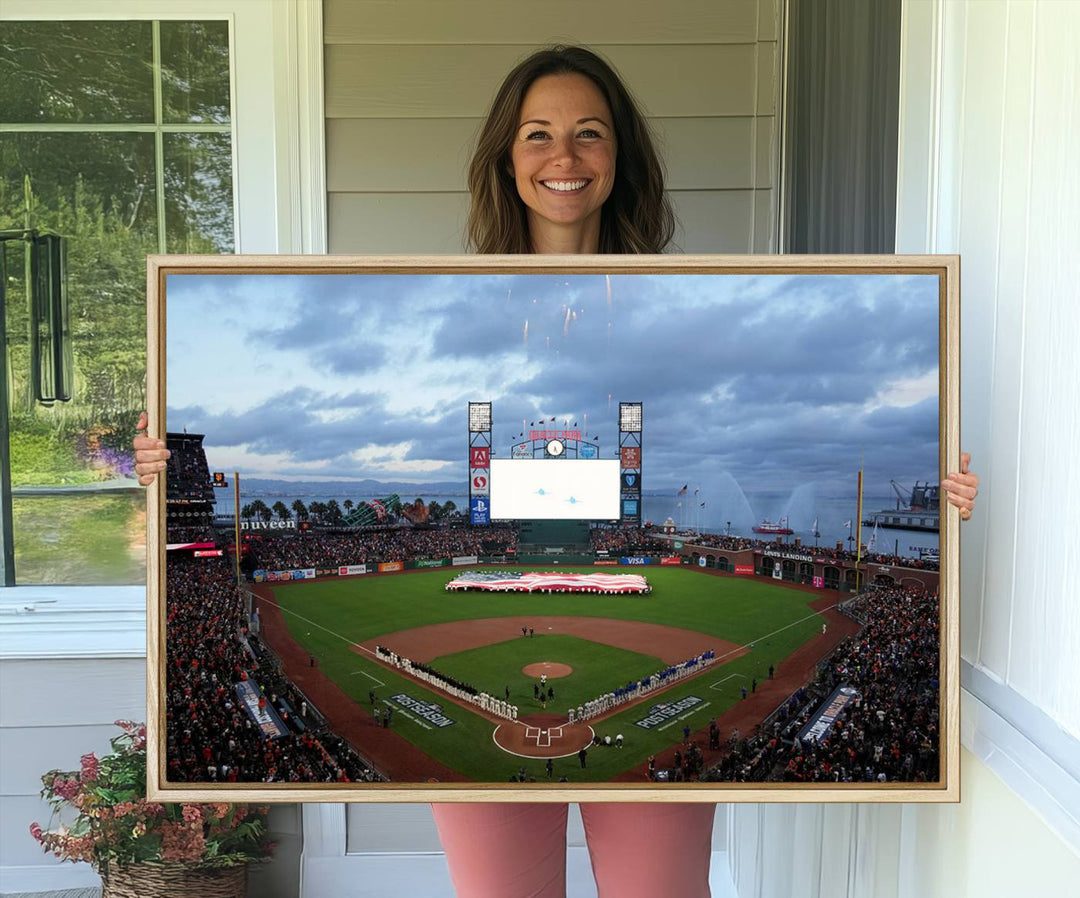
[(739, 543), (626, 541), (888, 733), (188, 476), (210, 736), (330, 550)]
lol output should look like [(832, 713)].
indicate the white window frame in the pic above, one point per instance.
[(279, 196), (279, 207)]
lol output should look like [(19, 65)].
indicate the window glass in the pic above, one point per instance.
[(198, 193), (66, 72), (120, 184), (195, 71)]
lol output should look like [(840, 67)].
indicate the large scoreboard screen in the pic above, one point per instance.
[(555, 489)]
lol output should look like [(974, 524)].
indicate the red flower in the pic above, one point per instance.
[(65, 788), (89, 767)]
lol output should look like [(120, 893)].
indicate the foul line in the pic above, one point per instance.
[(795, 623), (308, 620)]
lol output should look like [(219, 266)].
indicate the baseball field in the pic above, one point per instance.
[(586, 645)]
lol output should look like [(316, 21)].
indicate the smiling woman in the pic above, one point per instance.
[(565, 163)]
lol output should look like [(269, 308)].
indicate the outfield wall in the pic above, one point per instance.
[(788, 564)]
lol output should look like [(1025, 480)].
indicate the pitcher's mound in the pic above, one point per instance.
[(553, 669)]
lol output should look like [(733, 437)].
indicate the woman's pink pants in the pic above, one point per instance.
[(638, 850)]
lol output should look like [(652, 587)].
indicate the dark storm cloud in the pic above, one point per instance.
[(774, 379)]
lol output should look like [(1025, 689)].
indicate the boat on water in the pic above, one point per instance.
[(915, 510), (780, 528)]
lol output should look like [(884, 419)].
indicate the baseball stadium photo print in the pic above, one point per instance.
[(560, 528)]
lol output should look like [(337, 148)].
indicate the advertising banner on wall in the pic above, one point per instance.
[(481, 485), (348, 570), (630, 456), (427, 562), (521, 450), (777, 574), (671, 559), (630, 508), (459, 560), (819, 582), (390, 566), (480, 457), (744, 569), (479, 510), (587, 451), (634, 559)]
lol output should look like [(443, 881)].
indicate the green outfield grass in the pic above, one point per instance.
[(326, 617)]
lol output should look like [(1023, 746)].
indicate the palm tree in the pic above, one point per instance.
[(261, 509), (301, 510), (333, 511), (247, 512), (348, 505), (317, 510), (282, 511)]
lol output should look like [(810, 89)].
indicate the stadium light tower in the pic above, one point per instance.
[(479, 417), (630, 417), (630, 426), (480, 462)]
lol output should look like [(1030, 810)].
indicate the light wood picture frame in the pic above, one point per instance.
[(684, 426)]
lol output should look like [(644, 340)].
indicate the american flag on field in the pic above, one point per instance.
[(535, 582)]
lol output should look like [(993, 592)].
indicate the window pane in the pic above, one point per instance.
[(76, 72), (195, 72), (98, 191), (82, 539), (198, 193)]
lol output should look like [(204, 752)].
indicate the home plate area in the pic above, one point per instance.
[(542, 736)]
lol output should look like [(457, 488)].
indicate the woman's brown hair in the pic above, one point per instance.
[(637, 216)]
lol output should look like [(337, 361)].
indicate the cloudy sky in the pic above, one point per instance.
[(777, 381)]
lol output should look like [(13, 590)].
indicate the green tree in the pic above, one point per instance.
[(247, 512), (262, 510), (282, 511), (301, 510), (333, 512)]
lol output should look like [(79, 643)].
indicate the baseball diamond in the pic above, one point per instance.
[(477, 659)]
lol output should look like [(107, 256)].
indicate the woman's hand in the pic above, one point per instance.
[(961, 488), (150, 454)]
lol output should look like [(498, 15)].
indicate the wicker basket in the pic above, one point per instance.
[(151, 880)]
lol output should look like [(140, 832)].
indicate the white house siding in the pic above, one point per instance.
[(408, 82)]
